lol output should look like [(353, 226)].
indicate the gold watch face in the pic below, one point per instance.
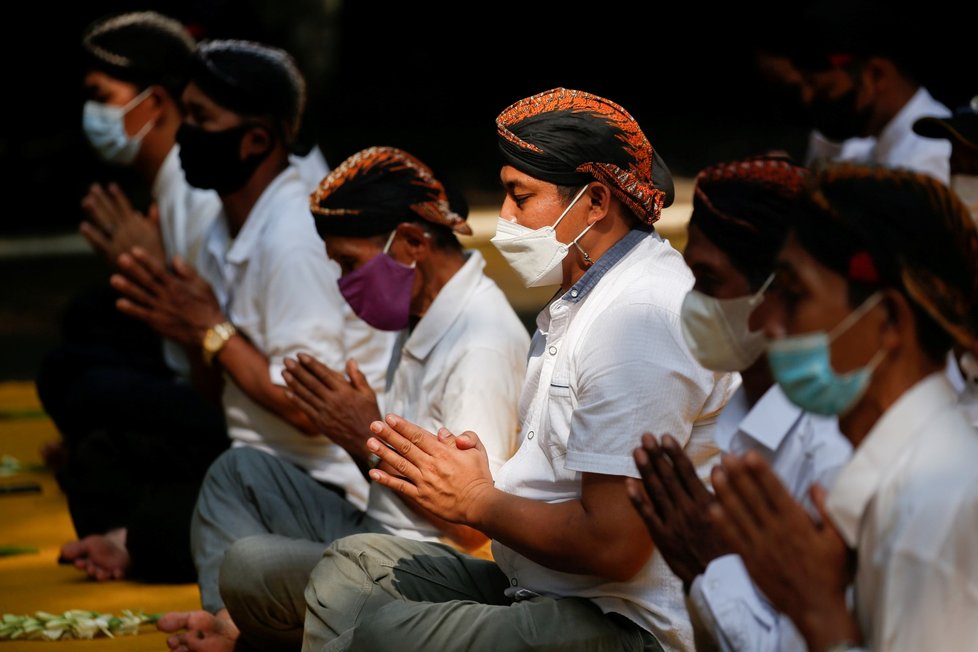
[(213, 341)]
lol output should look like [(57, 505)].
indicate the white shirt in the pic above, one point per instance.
[(607, 364), (908, 503), (803, 449), (186, 214), (276, 284), (461, 369), (897, 146)]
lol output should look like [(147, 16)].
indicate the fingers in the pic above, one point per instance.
[(127, 307), (662, 463), (97, 239), (660, 500), (685, 471), (750, 493), (397, 484), (183, 269), (152, 266), (173, 621), (304, 383), (418, 438), (153, 214), (299, 401), (642, 504), (357, 379), (819, 497), (399, 452), (776, 497), (738, 526), (123, 209), (446, 437), (100, 210), (137, 272), (324, 374), (134, 291)]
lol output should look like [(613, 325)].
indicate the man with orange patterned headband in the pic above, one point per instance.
[(574, 566)]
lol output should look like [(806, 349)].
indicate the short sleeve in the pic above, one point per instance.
[(633, 376)]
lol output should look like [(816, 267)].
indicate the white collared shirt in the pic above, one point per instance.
[(276, 284), (803, 449), (608, 364), (186, 214), (461, 369), (908, 503)]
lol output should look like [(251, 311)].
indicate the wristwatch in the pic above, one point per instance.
[(214, 340)]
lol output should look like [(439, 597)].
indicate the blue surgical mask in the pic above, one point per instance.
[(802, 366), (105, 127)]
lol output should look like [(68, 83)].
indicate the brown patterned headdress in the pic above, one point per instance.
[(895, 228), (569, 138), (378, 188)]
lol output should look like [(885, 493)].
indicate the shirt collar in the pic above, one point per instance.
[(167, 172), (591, 277), (897, 129), (250, 234), (446, 308), (768, 422), (886, 441)]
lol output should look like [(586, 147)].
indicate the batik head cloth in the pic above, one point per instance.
[(569, 138), (378, 188)]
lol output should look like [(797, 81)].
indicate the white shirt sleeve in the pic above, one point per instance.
[(741, 618), (633, 377), (303, 307), (481, 394)]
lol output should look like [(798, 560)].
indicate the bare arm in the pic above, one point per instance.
[(598, 534)]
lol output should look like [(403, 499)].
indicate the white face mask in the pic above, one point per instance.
[(535, 254), (717, 332), (966, 187), (105, 127)]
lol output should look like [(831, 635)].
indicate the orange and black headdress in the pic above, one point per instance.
[(571, 137), (378, 188)]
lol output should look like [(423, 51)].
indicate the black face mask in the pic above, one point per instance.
[(211, 159), (838, 118)]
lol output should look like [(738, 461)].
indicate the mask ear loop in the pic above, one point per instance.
[(855, 316), (580, 193), (387, 248), (758, 296), (132, 104)]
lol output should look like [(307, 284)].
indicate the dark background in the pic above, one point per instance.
[(428, 78), (431, 79)]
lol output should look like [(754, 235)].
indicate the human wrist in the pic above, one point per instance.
[(830, 628), (482, 507)]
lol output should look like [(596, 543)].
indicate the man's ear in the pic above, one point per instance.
[(412, 242), (598, 197), (900, 325), (257, 141)]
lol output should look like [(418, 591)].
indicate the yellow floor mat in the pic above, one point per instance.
[(33, 582)]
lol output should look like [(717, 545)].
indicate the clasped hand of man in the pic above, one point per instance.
[(115, 227), (340, 407), (448, 475), (176, 302)]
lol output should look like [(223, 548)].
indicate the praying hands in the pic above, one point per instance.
[(115, 227), (177, 303), (800, 565)]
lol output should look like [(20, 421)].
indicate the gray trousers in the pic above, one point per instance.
[(259, 528), (379, 592)]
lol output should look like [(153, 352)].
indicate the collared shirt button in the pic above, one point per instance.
[(513, 581), (529, 435), (574, 293), (552, 350)]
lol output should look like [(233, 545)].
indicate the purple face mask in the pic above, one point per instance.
[(380, 291)]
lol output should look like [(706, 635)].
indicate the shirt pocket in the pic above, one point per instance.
[(556, 429)]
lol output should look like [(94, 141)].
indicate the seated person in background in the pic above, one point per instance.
[(457, 364), (864, 93), (265, 290), (136, 438), (741, 215), (574, 566), (860, 323)]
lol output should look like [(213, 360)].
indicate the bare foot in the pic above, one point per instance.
[(102, 556), (199, 631), (54, 454)]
